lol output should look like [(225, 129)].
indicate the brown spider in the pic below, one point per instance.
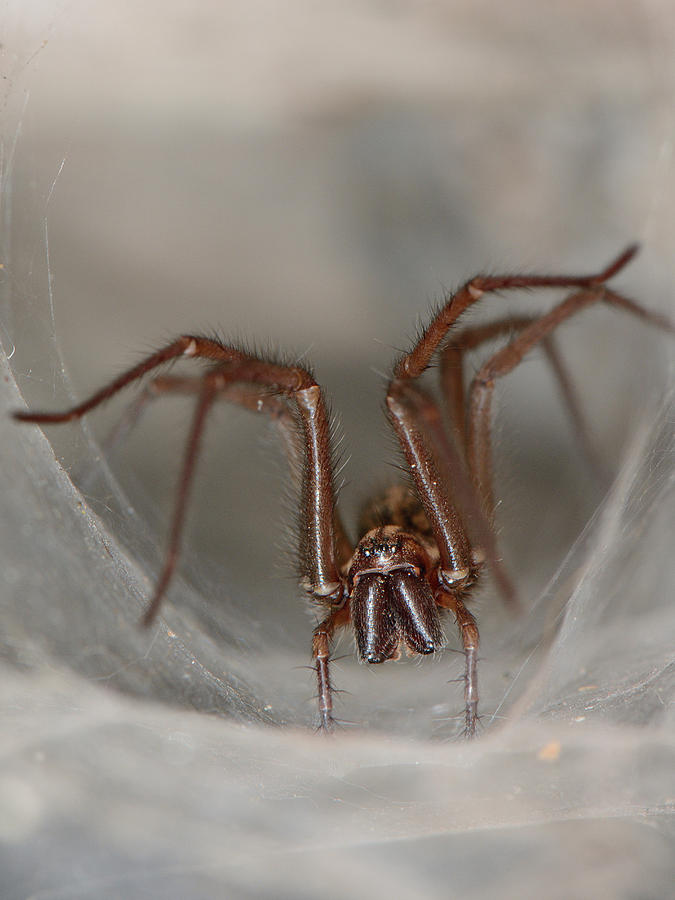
[(421, 547)]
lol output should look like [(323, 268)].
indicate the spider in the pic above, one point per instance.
[(422, 545)]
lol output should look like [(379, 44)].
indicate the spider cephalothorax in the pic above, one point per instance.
[(421, 548)]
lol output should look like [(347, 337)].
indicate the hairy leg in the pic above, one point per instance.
[(318, 538), (454, 388), (479, 437), (321, 646), (468, 632)]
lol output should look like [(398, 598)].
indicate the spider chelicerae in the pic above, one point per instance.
[(422, 545)]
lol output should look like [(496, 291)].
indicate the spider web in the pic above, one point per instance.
[(127, 769)]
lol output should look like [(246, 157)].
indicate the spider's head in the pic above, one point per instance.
[(391, 601)]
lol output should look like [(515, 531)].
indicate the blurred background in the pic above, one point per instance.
[(315, 178)]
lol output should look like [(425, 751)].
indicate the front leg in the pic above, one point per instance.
[(444, 489), (321, 645), (468, 630)]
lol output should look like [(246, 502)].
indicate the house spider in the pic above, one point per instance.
[(421, 546)]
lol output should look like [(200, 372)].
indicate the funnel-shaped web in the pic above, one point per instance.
[(382, 146)]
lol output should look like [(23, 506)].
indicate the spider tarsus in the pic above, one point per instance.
[(331, 726), (471, 690), (151, 612), (326, 724), (471, 716), (619, 263), (149, 615), (468, 732), (325, 693), (21, 415)]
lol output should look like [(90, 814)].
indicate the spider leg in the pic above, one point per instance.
[(247, 396), (435, 465), (575, 412), (207, 386), (413, 416), (318, 541), (204, 403), (130, 418), (183, 346), (452, 381), (508, 357), (468, 630), (433, 491), (412, 364), (636, 309), (321, 643), (250, 397)]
